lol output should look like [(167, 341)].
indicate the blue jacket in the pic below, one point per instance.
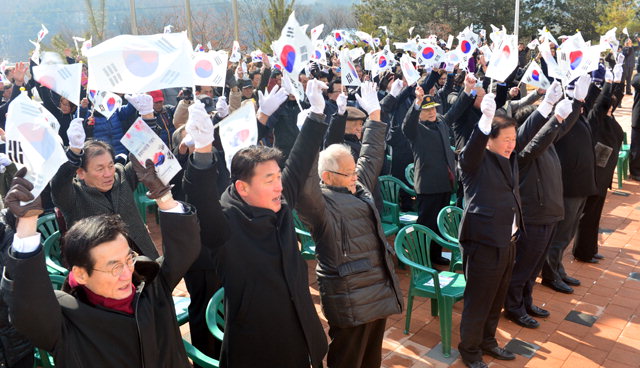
[(111, 130)]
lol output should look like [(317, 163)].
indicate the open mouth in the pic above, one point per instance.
[(277, 199)]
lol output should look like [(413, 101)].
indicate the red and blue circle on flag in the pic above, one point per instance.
[(288, 57), (141, 63), (465, 46), (428, 52), (204, 69), (111, 103), (535, 75), (382, 62), (338, 36), (575, 58), (158, 159)]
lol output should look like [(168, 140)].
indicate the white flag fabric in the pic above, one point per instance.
[(86, 45), (61, 78), (350, 76), (138, 64), (552, 65), (449, 42), (292, 85), (535, 77), (546, 35), (76, 40), (167, 29), (43, 32), (430, 55), (382, 60), (609, 41), (408, 70), (338, 36), (366, 38), (106, 103), (293, 47), (145, 144), (35, 56), (504, 59), (235, 53), (210, 68), (468, 44), (238, 130), (486, 51), (368, 61), (356, 53), (319, 55), (33, 141), (316, 32), (574, 62)]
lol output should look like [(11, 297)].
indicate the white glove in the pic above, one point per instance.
[(142, 102), (188, 141), (269, 102), (4, 160), (396, 87), (286, 84), (553, 95), (222, 107), (76, 133), (617, 73), (563, 109), (608, 76), (341, 101), (368, 97), (488, 108), (620, 59), (315, 97), (582, 87), (199, 125)]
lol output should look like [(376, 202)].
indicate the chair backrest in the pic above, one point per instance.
[(47, 225), (215, 314), (412, 243), (52, 248), (409, 172), (57, 281), (304, 237), (449, 222), (390, 187)]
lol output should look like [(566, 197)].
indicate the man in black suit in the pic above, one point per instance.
[(490, 225), (428, 134)]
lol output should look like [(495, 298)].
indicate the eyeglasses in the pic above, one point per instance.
[(118, 269), (355, 173)]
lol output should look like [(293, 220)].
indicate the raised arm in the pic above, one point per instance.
[(337, 123), (532, 125), (473, 152), (410, 123), (371, 156), (62, 191)]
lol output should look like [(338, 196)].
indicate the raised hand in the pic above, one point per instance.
[(314, 95), (142, 102), (148, 176), (222, 107), (271, 101), (368, 97), (199, 125), (20, 192), (76, 133)]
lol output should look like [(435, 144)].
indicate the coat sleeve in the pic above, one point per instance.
[(458, 108), (387, 107), (181, 243), (571, 120), (62, 190), (335, 132), (307, 145), (33, 307), (540, 142), (200, 190), (371, 157), (430, 81), (473, 152), (529, 129), (527, 100), (311, 205), (410, 123), (126, 112)]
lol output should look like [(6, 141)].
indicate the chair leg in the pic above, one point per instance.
[(434, 307), (409, 308), (446, 310), (619, 173)]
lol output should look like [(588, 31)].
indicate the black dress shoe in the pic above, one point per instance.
[(440, 261), (592, 260), (598, 256), (538, 312), (558, 286), (571, 281), (476, 364), (524, 321), (500, 353)]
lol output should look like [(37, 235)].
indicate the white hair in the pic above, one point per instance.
[(328, 159)]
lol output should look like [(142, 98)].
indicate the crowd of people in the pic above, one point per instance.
[(530, 168)]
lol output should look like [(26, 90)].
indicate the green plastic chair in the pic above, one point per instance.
[(53, 255), (308, 246), (215, 323), (448, 224), (622, 167), (181, 305), (143, 202), (444, 288), (409, 172), (47, 225), (390, 212), (390, 188)]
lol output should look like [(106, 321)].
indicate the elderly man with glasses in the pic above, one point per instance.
[(116, 308), (358, 285)]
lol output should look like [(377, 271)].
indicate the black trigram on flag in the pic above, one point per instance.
[(165, 46), (112, 73), (14, 151), (64, 73), (170, 76)]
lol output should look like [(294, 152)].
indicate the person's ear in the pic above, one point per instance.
[(325, 177), (80, 275), (81, 173), (242, 187)]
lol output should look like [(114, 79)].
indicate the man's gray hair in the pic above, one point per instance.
[(328, 160)]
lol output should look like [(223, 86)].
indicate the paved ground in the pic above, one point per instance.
[(607, 292)]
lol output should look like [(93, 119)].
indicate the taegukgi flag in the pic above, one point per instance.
[(138, 64)]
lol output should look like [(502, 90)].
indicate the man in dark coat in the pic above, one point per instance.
[(634, 160), (358, 285), (541, 193), (270, 319), (575, 150), (116, 308), (434, 177)]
